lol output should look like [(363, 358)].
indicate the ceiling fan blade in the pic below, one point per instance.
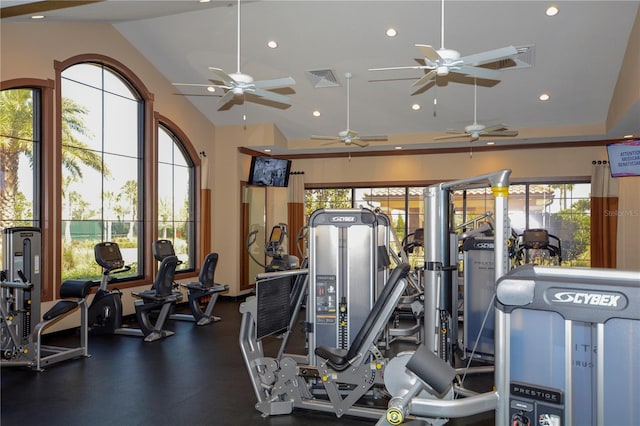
[(478, 72), (452, 136), (429, 52), (333, 142), (374, 138), (425, 78), (226, 78), (275, 83), (495, 127), (501, 133), (201, 85), (490, 56), (226, 98), (359, 143), (271, 96), (411, 67), (326, 138)]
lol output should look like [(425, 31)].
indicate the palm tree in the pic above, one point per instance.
[(16, 138), (130, 193)]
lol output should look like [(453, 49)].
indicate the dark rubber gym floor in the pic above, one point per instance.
[(195, 377)]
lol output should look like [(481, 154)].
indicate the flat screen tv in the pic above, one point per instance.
[(624, 158), (269, 171)]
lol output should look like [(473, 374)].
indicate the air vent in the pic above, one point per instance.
[(322, 78), (525, 58)]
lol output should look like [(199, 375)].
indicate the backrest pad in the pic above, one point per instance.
[(396, 276), (208, 270)]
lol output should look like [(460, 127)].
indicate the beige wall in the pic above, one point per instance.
[(29, 50), (530, 163)]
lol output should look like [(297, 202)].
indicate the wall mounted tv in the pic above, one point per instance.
[(267, 171), (624, 158)]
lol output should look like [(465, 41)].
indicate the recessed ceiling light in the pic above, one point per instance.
[(272, 44), (628, 136), (544, 97), (204, 1), (267, 150), (491, 143), (391, 32), (211, 89), (415, 107), (37, 17), (316, 113), (552, 11), (398, 147)]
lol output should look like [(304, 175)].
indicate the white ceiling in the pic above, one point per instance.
[(577, 56)]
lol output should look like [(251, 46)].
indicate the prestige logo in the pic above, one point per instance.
[(342, 219), (484, 245), (586, 298)]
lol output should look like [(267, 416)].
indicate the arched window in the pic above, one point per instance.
[(176, 196), (102, 128)]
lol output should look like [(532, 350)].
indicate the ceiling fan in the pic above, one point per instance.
[(238, 84), (475, 130), (443, 61), (349, 136)]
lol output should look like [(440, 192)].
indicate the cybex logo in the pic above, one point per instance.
[(610, 300), (342, 219)]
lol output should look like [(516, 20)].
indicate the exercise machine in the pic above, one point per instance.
[(105, 311), (537, 246), (337, 378), (21, 328), (274, 248), (343, 275), (205, 290), (574, 345), (570, 353)]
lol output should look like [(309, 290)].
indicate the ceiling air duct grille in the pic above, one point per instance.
[(322, 78)]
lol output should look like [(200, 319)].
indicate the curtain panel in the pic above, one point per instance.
[(604, 216), (295, 212)]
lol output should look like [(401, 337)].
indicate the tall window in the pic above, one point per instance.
[(101, 168), (19, 158), (176, 197), (562, 208)]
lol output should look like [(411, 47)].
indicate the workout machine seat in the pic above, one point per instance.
[(161, 296), (341, 359), (204, 288)]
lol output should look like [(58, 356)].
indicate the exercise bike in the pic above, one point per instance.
[(205, 290), (105, 311)]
